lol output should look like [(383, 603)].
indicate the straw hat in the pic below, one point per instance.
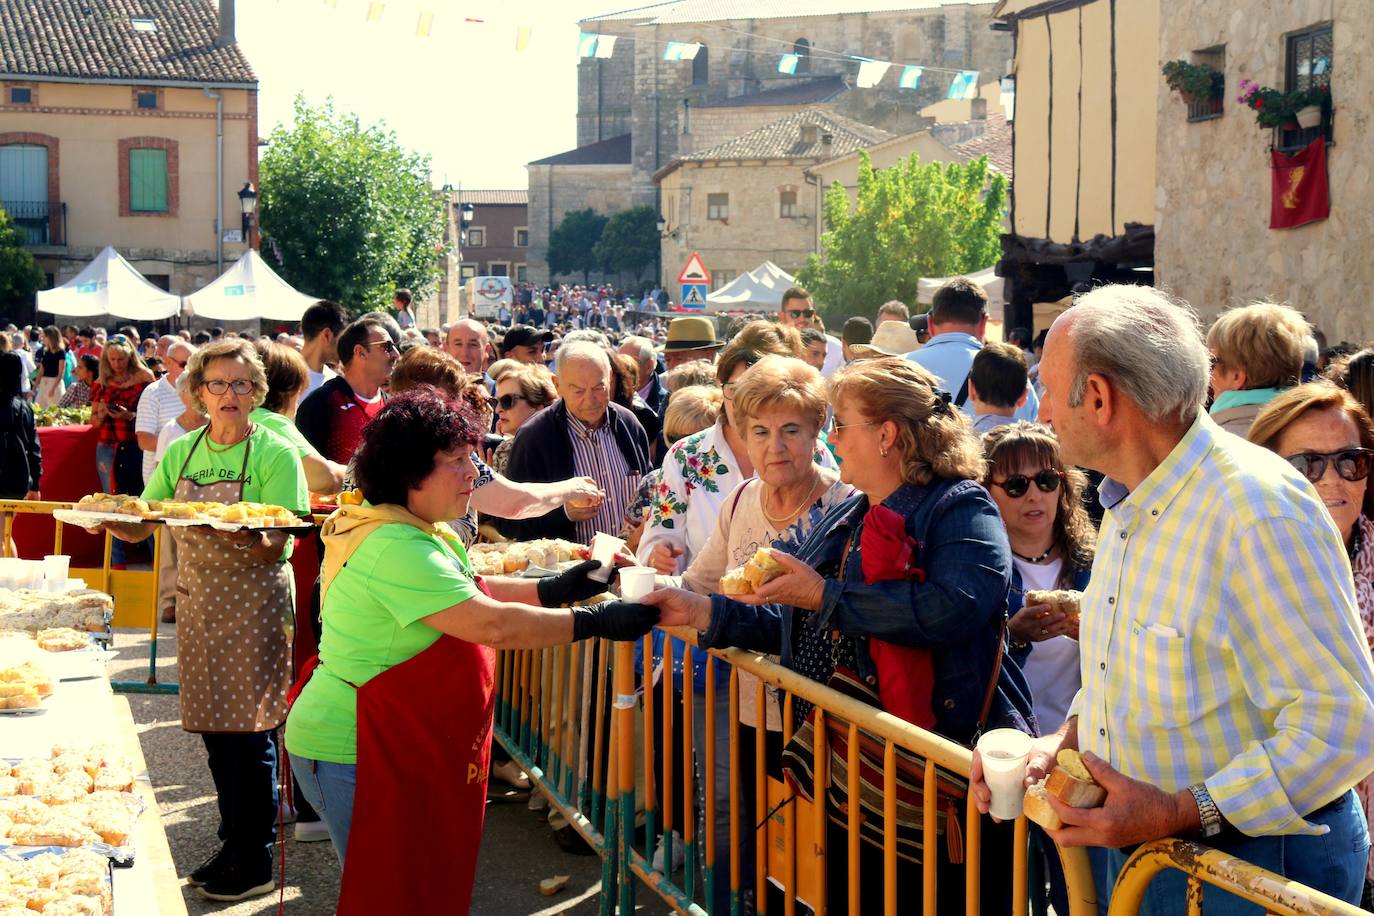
[(694, 333), (893, 338)]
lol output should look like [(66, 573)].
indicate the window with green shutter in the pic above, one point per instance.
[(147, 181)]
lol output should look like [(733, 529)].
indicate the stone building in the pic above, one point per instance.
[(1214, 246), (733, 86), (498, 235), (596, 175), (108, 134), (746, 201)]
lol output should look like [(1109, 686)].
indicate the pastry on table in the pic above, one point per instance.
[(63, 639)]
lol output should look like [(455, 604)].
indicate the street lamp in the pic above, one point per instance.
[(662, 224), (465, 213), (248, 203)]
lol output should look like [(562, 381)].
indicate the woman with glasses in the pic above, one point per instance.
[(114, 408), (521, 392), (1324, 432), (235, 610)]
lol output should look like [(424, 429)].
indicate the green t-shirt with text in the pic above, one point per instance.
[(284, 427)]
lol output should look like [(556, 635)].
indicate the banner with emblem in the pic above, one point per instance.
[(1301, 194)]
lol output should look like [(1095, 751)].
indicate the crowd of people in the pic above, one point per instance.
[(1207, 495)]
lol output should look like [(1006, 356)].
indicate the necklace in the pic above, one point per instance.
[(1040, 559), (210, 443), (779, 523)]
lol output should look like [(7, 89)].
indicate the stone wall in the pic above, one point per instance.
[(1213, 246), (605, 88), (713, 126), (557, 189)]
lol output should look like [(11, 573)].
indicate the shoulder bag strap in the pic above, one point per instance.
[(962, 396)]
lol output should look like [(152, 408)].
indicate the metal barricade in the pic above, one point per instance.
[(1202, 865)]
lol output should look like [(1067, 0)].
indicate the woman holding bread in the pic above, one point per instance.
[(235, 607), (391, 733), (914, 569)]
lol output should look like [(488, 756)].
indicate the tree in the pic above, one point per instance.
[(20, 275), (351, 211), (909, 221), (629, 243), (572, 245)]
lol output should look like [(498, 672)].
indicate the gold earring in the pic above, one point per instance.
[(883, 451)]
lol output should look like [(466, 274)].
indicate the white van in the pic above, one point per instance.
[(486, 294)]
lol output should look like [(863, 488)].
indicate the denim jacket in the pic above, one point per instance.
[(957, 611), (1016, 601)]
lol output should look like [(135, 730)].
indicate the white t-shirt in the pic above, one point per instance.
[(1052, 668), (158, 404), (171, 431), (316, 380)]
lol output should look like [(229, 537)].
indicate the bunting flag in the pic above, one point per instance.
[(522, 37), (681, 50), (970, 84), (374, 11), (788, 64), (962, 82), (871, 73), (910, 78), (586, 44), (425, 25), (605, 46)]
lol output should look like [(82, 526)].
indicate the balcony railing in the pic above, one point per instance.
[(42, 222)]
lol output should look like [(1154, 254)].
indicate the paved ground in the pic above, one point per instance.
[(517, 847)]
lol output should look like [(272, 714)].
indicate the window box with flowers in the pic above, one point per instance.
[(1297, 117), (1200, 86)]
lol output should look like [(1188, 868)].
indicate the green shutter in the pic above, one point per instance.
[(148, 180)]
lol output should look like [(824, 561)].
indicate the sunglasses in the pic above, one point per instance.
[(1351, 463), (507, 401), (801, 313), (386, 345), (1047, 481)]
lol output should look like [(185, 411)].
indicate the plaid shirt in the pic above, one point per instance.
[(1220, 639), (115, 430)]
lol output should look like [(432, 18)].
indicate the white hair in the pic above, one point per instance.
[(590, 336), (573, 350), (1147, 344), (641, 347)]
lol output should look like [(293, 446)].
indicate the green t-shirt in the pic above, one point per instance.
[(284, 427), (274, 474), (372, 619)]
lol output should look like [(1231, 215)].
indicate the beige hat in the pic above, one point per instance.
[(692, 333), (893, 338)]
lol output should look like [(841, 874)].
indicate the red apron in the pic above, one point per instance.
[(424, 746)]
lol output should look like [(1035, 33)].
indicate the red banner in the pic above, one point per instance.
[(1300, 194)]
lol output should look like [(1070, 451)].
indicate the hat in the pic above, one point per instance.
[(523, 335), (691, 334), (893, 338)]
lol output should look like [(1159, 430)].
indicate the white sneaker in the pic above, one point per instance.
[(311, 831), (511, 775), (679, 854)]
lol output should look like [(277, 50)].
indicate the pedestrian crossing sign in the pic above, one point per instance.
[(694, 296)]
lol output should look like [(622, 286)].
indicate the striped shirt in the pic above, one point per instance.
[(1220, 639), (597, 455)]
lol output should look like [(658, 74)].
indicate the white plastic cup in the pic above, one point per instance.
[(33, 574), (11, 573), (636, 581), (55, 570), (1004, 752), (604, 549)]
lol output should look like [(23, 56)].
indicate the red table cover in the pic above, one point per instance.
[(68, 474)]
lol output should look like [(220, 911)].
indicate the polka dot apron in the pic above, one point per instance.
[(234, 621)]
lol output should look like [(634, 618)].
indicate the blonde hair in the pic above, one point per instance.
[(757, 339), (235, 348), (781, 382), (501, 367), (933, 436), (1263, 339), (692, 409), (694, 372), (106, 373), (536, 384)]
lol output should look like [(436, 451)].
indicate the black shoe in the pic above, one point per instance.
[(209, 868), (240, 880), (570, 841)]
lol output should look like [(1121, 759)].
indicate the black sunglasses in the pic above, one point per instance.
[(1016, 485), (801, 313), (507, 401), (1351, 463)]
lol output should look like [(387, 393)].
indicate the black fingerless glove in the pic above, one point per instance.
[(571, 585), (618, 620)]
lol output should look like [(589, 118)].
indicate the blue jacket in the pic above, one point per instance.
[(1016, 601), (957, 612)]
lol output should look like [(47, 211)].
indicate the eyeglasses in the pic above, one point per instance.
[(239, 386), (839, 426), (801, 313), (1046, 481), (1351, 463), (386, 345), (507, 401)]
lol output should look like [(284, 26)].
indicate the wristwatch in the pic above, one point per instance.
[(1207, 810)]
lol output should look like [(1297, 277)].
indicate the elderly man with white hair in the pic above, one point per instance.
[(581, 435), (1226, 682), (651, 389)]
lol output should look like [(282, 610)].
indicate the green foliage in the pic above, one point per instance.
[(572, 245), (909, 221), (20, 275), (629, 243), (351, 210), (1194, 82)]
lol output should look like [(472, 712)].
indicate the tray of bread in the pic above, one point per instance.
[(99, 508), (66, 654), (54, 879), (29, 611), (74, 797), (545, 557), (24, 685), (746, 579)]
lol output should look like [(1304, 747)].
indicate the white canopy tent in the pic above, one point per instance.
[(247, 291), (987, 279), (109, 285), (759, 290)]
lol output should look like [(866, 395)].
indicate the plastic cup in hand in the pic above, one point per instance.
[(55, 570), (636, 581), (604, 549), (1004, 752)]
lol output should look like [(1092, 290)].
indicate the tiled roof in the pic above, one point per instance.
[(615, 151), (490, 198), (792, 92), (995, 143), (783, 139), (96, 39), (716, 10)]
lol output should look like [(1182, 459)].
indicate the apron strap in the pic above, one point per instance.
[(243, 471), (191, 451)]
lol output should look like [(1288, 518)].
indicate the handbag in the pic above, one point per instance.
[(951, 790)]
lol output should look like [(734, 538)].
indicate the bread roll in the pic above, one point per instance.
[(735, 582)]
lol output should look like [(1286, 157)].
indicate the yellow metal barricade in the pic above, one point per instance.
[(1273, 892)]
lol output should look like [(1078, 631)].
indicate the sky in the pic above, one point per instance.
[(464, 95)]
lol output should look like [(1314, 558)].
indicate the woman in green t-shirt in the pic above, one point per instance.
[(390, 737), (287, 378)]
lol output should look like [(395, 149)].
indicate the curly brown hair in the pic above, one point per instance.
[(1014, 446)]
